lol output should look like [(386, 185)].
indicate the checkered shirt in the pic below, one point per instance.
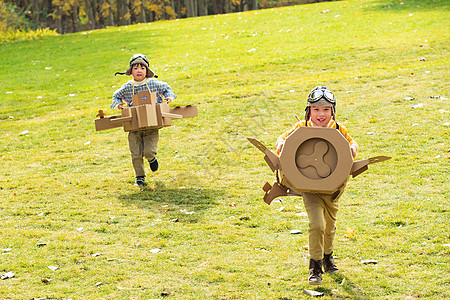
[(162, 89)]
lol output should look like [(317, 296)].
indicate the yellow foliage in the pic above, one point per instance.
[(21, 35)]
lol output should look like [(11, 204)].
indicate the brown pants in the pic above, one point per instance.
[(142, 144), (322, 213)]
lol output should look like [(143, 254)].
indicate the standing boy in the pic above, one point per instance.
[(321, 208), (142, 143)]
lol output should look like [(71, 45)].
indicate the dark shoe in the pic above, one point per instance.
[(315, 272), (154, 164), (140, 181), (328, 264)]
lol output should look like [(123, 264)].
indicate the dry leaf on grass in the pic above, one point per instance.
[(350, 233)]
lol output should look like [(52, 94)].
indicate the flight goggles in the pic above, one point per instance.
[(320, 93)]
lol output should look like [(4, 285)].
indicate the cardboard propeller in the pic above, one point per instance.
[(145, 113), (313, 159)]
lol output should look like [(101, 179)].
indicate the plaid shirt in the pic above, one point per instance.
[(162, 89)]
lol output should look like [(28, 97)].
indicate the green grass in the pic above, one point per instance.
[(70, 187)]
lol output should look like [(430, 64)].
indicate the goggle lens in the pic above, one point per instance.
[(316, 95)]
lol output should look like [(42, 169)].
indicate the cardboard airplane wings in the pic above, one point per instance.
[(313, 159), (145, 113)]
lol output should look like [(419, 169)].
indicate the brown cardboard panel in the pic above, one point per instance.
[(144, 98), (106, 123), (315, 159), (361, 165), (145, 116), (187, 111)]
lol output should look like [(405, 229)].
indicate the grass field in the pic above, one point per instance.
[(74, 226)]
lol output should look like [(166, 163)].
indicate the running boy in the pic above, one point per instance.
[(321, 208), (142, 143)]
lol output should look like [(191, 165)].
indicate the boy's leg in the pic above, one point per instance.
[(136, 145), (331, 207), (151, 138), (330, 214), (315, 210)]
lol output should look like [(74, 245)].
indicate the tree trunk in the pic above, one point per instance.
[(141, 17), (202, 8), (75, 17), (123, 12), (90, 14), (252, 4), (191, 10)]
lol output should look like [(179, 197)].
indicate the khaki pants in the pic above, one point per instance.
[(142, 144), (322, 213)]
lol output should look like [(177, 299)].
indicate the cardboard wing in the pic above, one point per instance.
[(145, 113)]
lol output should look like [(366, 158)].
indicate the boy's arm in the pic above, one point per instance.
[(351, 141), (119, 97), (165, 90), (282, 138)]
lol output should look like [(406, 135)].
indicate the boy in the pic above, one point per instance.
[(321, 208), (142, 143)]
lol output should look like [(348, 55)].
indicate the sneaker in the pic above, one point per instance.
[(140, 181), (154, 164), (315, 272), (328, 264)]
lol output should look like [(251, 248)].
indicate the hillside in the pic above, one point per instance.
[(200, 230)]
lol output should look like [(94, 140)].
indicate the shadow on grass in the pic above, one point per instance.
[(351, 290), (175, 202)]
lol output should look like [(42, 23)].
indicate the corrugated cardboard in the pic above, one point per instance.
[(313, 159), (145, 113)]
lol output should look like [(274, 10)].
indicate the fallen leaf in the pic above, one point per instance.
[(419, 105), (231, 203), (53, 268), (350, 233), (24, 132), (295, 231), (306, 247), (46, 280)]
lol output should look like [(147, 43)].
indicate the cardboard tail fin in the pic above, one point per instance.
[(275, 191)]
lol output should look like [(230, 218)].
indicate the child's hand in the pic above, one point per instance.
[(354, 150), (168, 99), (280, 145)]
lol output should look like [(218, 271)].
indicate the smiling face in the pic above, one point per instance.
[(138, 72), (321, 115)]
